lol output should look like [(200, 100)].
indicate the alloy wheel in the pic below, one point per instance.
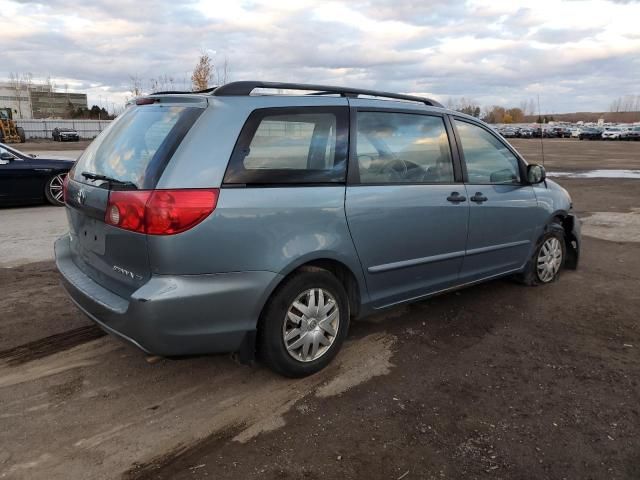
[(56, 187)]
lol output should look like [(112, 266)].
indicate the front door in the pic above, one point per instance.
[(406, 205), (503, 208), (18, 181)]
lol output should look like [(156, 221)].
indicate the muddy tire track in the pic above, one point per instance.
[(49, 345), (181, 455)]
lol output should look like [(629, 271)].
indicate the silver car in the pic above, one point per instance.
[(234, 221)]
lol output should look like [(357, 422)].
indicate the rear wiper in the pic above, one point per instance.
[(109, 180)]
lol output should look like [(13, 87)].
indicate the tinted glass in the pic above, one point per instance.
[(297, 142), (403, 148), (137, 145), (291, 145), (488, 159)]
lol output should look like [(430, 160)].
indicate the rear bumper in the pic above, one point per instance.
[(173, 315)]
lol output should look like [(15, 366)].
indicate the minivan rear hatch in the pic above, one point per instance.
[(129, 156)]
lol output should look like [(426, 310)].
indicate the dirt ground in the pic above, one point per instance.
[(495, 381), (51, 146), (570, 154)]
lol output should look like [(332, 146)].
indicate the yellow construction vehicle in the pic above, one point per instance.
[(9, 131)]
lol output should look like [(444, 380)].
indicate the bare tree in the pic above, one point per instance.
[(203, 73), (524, 107), (628, 103), (162, 83), (17, 86), (27, 80), (135, 85), (50, 86), (450, 103), (223, 72)]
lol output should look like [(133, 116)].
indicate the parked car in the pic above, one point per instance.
[(29, 179), (509, 132), (575, 132), (232, 222), (633, 133), (65, 135), (612, 133), (590, 134), (561, 132), (526, 133)]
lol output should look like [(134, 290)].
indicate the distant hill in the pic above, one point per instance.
[(617, 117)]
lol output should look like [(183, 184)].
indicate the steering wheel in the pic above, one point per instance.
[(365, 161), (396, 169)]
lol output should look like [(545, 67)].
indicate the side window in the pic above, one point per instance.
[(403, 148), (5, 156), (488, 159), (291, 145)]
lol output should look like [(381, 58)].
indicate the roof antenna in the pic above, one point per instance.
[(541, 130)]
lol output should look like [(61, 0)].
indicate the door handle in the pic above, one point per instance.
[(455, 197), (478, 198)]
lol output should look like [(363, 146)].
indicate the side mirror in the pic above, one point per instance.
[(33, 155), (536, 174), (6, 156)]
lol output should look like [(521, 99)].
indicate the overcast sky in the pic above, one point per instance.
[(578, 55)]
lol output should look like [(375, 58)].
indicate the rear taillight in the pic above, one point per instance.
[(160, 212), (65, 187)]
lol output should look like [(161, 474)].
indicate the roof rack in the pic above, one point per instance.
[(183, 92), (246, 87)]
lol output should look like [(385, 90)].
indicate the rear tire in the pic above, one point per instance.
[(53, 190), (548, 258), (21, 134), (304, 323)]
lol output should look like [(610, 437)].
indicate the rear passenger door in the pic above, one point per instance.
[(406, 204), (504, 212)]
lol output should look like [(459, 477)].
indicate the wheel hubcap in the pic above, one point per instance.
[(311, 325), (549, 259), (55, 187)]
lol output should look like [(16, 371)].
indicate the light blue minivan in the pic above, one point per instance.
[(234, 220)]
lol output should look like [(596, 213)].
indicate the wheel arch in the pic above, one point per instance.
[(572, 246), (354, 287)]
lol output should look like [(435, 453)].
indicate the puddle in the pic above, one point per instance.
[(598, 174)]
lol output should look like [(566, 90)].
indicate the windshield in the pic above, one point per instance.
[(136, 147)]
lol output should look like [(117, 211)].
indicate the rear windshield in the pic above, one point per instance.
[(137, 145)]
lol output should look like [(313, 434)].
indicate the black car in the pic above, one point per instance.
[(590, 134), (561, 132), (65, 135), (30, 179)]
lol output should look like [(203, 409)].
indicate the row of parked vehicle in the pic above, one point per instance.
[(629, 132)]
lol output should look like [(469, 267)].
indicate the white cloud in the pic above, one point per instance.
[(577, 54)]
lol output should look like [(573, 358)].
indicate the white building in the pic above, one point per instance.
[(18, 100)]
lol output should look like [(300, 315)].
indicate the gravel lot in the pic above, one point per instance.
[(495, 381)]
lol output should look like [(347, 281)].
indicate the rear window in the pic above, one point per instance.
[(291, 145), (137, 145)]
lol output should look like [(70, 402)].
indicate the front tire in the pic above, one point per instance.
[(548, 258), (53, 190), (21, 134), (304, 323)]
